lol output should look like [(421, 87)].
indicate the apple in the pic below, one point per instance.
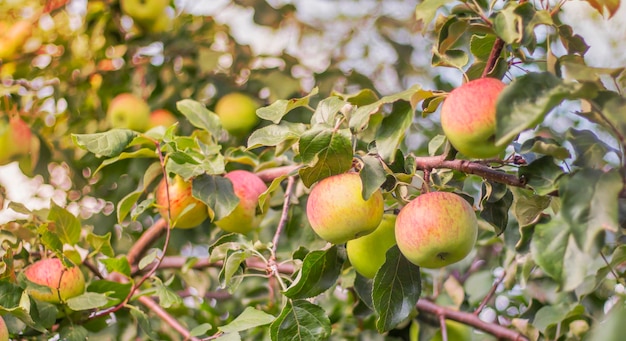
[(130, 112), (180, 198), (337, 211), (163, 23), (64, 283), (144, 11), (367, 253), (436, 229), (246, 216), (456, 331), (4, 331), (237, 113), (468, 117), (162, 117), (15, 139), (12, 39)]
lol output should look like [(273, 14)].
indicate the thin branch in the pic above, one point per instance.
[(498, 45), (177, 262), (165, 316), (268, 175), (490, 294), (444, 329), (151, 235)]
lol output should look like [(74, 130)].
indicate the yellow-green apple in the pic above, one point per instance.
[(338, 212), (15, 139), (63, 282), (456, 331), (144, 11), (247, 215), (13, 38), (367, 253), (237, 113), (130, 112), (180, 198), (436, 229), (162, 24), (468, 117), (4, 331), (162, 117)]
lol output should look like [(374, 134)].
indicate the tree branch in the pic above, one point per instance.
[(469, 167), (151, 235), (498, 45), (165, 316)]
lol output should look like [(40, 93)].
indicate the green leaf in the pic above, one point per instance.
[(230, 276), (326, 152), (248, 319), (393, 129), (425, 11), (201, 329), (66, 225), (480, 46), (372, 175), (545, 146), (550, 315), (319, 272), (216, 192), (119, 264), (126, 204), (136, 154), (590, 150), (167, 297), (49, 238), (200, 116), (273, 135), (73, 332), (275, 111), (109, 143), (396, 290), (144, 323), (15, 301), (300, 320), (527, 207), (612, 328), (115, 292), (327, 110), (542, 175), (525, 102), (496, 204), (87, 301), (101, 244)]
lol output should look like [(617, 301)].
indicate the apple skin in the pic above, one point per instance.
[(180, 198), (436, 229), (4, 331), (244, 218), (337, 211), (63, 282), (162, 117), (237, 113), (456, 331), (144, 11), (468, 117), (368, 253), (15, 139), (129, 112), (12, 39)]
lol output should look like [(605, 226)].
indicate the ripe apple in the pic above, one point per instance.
[(246, 216), (144, 11), (13, 38), (367, 253), (468, 117), (15, 139), (237, 113), (456, 331), (337, 211), (64, 283), (4, 331), (180, 197), (436, 229), (162, 117), (130, 112)]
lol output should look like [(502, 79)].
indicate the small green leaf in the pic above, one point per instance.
[(275, 111), (319, 272), (167, 297), (101, 244), (119, 264), (136, 154), (74, 332), (372, 175), (496, 205), (273, 135), (300, 320), (216, 192), (144, 323), (326, 152), (109, 144), (527, 207), (66, 225), (397, 287), (200, 116), (87, 301), (425, 11), (542, 175), (550, 315), (201, 329), (612, 328), (545, 146), (126, 204), (393, 129), (481, 46), (590, 150), (115, 292), (327, 110), (248, 319)]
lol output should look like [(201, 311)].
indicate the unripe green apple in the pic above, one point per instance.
[(130, 112), (180, 197), (4, 331), (468, 117), (64, 283), (237, 113), (15, 139), (246, 216), (456, 331), (162, 117), (436, 229), (144, 11), (337, 211), (367, 253), (13, 38)]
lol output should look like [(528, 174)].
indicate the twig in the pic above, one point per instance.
[(152, 234), (444, 329), (498, 45), (268, 175), (177, 262), (272, 269), (169, 319), (608, 264), (489, 295)]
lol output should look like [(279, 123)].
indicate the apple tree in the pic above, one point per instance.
[(177, 148)]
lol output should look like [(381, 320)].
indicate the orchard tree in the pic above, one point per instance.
[(210, 161)]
